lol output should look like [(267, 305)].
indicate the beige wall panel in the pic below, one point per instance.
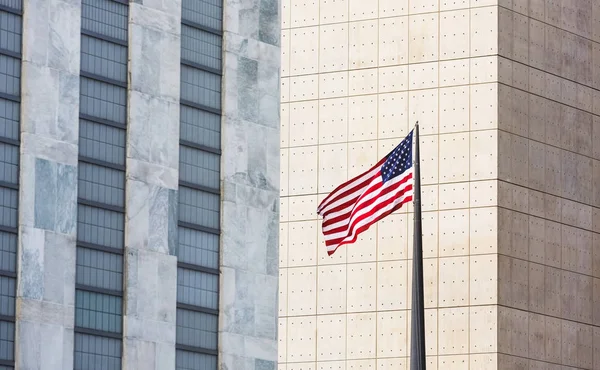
[(304, 13), (429, 159), (392, 332), (537, 165), (361, 364), (430, 198), (585, 98), (304, 123), (483, 230), (333, 11), (393, 41), (361, 10), (283, 292), (363, 44), (304, 88), (392, 236), (453, 331), (483, 274), (285, 90), (392, 363), (282, 339), (483, 193), (569, 343), (423, 6), (303, 170), (286, 36), (483, 155), (302, 207), (505, 32), (483, 330), (484, 361), (537, 205), (331, 294), (423, 32), (284, 136), (453, 196), (453, 4), (302, 291), (302, 366), (361, 287), (520, 34), (553, 339), (333, 47), (361, 82), (333, 121), (430, 237), (284, 171), (484, 31), (283, 244), (585, 347), (454, 157), (361, 156), (537, 43), (424, 107), (340, 256), (393, 115), (537, 336), (537, 239), (304, 50), (430, 282), (362, 118), (454, 233), (454, 72), (283, 209), (302, 250), (392, 293), (286, 13), (365, 249), (331, 365), (423, 75), (454, 109), (333, 166), (360, 336), (454, 281), (553, 250), (301, 340), (333, 85), (455, 362), (393, 78), (537, 112), (331, 338), (454, 34)]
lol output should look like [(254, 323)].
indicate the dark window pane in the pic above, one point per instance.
[(197, 288), (9, 163), (102, 142), (103, 58), (98, 311), (97, 353), (193, 361), (7, 341), (199, 207), (103, 100), (200, 87), (14, 4), (201, 47), (105, 17), (200, 127), (10, 32), (8, 252), (10, 75), (9, 119), (199, 167), (8, 207), (7, 295), (100, 226), (208, 13), (101, 184), (198, 248), (197, 329), (99, 269)]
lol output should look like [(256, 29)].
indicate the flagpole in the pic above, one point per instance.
[(417, 350)]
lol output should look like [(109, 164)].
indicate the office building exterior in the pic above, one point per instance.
[(507, 95), (140, 180)]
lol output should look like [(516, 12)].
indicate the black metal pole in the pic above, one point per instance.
[(417, 349)]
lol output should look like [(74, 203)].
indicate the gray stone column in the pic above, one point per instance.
[(250, 172), (151, 187), (48, 184)]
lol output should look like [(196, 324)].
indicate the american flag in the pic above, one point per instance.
[(362, 201)]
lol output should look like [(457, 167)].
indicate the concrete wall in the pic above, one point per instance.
[(250, 183), (356, 75), (48, 184), (549, 188), (151, 185)]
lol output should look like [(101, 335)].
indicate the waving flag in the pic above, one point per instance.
[(360, 202)]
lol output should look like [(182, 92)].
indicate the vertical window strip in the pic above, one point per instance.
[(11, 29), (101, 189), (199, 177)]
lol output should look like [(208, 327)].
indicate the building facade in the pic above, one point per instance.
[(139, 181), (507, 95)]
